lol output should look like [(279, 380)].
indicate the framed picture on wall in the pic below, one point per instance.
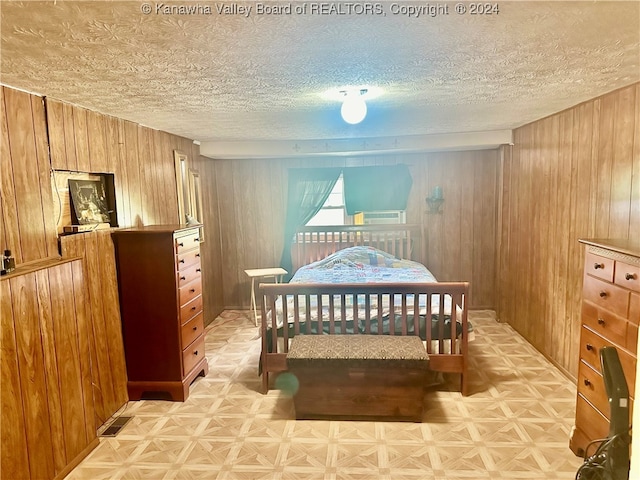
[(88, 202)]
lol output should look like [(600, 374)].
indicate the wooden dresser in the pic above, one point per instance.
[(610, 317), (159, 280)]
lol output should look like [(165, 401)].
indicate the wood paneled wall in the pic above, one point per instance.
[(460, 241), (39, 136), (103, 311), (28, 226), (48, 422), (573, 175)]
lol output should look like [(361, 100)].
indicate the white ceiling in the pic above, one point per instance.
[(245, 85)]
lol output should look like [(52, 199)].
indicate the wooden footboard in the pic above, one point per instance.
[(437, 312)]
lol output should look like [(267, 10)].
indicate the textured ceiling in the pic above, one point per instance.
[(225, 76)]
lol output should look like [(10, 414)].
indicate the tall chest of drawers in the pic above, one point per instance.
[(159, 282), (610, 317)]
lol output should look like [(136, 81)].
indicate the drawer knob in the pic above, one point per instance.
[(630, 276), (197, 254), (182, 261), (601, 321), (181, 244), (586, 382), (603, 294), (195, 352), (198, 270), (598, 265), (589, 346), (183, 278), (192, 290), (195, 328), (196, 240), (193, 308)]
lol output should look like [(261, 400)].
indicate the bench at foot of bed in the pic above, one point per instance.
[(353, 377)]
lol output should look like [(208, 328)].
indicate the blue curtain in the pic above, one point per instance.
[(309, 188), (382, 187)]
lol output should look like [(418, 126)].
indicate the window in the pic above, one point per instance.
[(333, 211)]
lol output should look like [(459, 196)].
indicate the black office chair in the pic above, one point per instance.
[(611, 459)]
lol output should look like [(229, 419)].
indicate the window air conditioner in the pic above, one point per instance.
[(386, 217)]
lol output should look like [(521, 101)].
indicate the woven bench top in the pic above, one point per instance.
[(405, 351)]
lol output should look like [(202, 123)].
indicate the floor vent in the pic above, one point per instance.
[(115, 427)]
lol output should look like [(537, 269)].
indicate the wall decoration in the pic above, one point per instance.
[(88, 202)]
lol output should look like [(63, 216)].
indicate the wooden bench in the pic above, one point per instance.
[(358, 376)]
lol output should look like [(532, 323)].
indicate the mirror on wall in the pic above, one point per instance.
[(189, 189), (195, 199), (182, 184)]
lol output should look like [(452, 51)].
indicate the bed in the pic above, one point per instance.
[(359, 288)]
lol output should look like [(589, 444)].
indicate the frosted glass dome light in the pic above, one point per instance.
[(354, 108)]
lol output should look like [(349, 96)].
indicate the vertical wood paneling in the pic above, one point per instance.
[(102, 367), (96, 134), (113, 327), (44, 169), (84, 334), (148, 183), (69, 138), (52, 374), (47, 416), (634, 227), (119, 151), (57, 146), (561, 169), (32, 377), (68, 359), (569, 176), (14, 456), (10, 230), (211, 250), (132, 165), (605, 164), (230, 262), (622, 164), (165, 169), (81, 136), (26, 182)]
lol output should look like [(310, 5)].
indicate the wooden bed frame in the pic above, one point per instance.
[(275, 347), (314, 243)]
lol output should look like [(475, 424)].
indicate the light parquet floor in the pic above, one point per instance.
[(515, 424)]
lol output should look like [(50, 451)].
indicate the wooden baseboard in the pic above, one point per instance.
[(76, 461)]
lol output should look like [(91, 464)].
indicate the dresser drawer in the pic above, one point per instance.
[(189, 274), (590, 345), (187, 242), (598, 266), (591, 386), (606, 324), (192, 330), (627, 276), (190, 310), (187, 259), (188, 292), (606, 295), (590, 420), (193, 354)]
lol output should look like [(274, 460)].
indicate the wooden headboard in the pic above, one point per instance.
[(315, 243)]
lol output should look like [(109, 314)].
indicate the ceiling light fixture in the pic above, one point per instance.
[(354, 108)]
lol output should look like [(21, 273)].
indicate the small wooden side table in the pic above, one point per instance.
[(253, 273)]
